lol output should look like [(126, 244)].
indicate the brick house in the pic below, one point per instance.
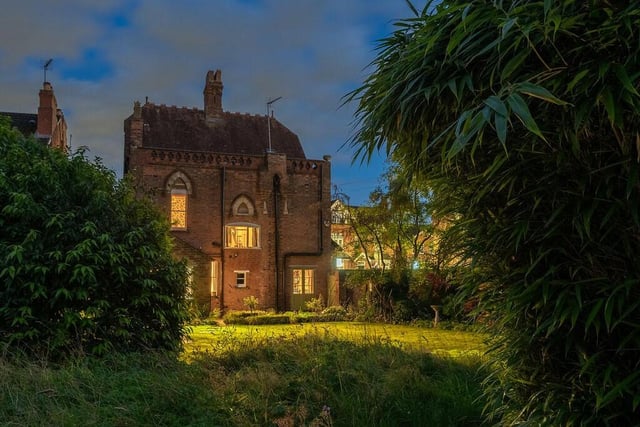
[(248, 211), (48, 125)]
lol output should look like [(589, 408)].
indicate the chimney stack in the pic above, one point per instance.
[(47, 111), (213, 97)]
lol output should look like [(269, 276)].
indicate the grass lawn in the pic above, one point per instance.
[(324, 374), (439, 342)]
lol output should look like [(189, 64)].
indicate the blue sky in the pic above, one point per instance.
[(109, 53)]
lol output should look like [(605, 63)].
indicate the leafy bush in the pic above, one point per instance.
[(336, 310), (266, 318), (315, 304), (237, 317), (251, 302), (84, 264)]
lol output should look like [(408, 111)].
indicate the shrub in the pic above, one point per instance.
[(315, 304), (84, 264), (251, 302), (335, 310), (268, 319), (238, 317)]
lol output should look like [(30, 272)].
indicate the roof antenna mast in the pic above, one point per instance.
[(269, 111), (46, 67)]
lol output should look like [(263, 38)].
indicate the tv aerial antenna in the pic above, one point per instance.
[(45, 67), (269, 111)]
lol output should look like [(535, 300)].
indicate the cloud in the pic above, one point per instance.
[(110, 53)]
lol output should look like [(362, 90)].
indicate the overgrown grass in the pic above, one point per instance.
[(312, 375)]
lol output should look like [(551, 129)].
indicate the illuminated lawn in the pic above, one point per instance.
[(438, 342), (323, 374)]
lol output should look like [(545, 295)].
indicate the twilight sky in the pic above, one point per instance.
[(109, 53)]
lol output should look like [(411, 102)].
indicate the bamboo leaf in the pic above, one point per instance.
[(578, 77), (592, 315), (540, 92), (623, 77), (497, 105), (521, 109), (606, 98), (513, 64), (619, 388), (500, 123), (508, 24)]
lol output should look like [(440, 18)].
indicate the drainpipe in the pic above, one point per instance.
[(276, 219), (222, 237)]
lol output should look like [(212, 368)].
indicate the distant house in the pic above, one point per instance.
[(248, 210), (348, 252), (48, 125)]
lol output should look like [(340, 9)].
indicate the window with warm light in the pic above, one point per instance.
[(242, 236), (179, 205), (303, 281), (338, 238), (213, 278)]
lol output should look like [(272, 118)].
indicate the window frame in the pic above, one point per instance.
[(252, 235), (175, 193), (241, 274), (178, 185), (305, 274)]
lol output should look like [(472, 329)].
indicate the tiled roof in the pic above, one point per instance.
[(24, 122), (171, 127)]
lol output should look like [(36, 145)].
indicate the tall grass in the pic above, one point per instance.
[(250, 378)]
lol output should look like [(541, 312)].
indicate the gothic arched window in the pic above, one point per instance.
[(179, 187)]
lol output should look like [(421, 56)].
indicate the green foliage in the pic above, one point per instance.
[(523, 117), (330, 314), (251, 302), (315, 305), (84, 265)]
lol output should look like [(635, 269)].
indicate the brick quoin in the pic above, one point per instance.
[(235, 169)]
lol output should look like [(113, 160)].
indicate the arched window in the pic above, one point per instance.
[(179, 187), (242, 206), (243, 209)]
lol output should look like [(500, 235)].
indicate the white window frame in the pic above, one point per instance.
[(244, 274)]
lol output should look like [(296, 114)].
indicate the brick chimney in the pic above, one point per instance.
[(213, 97), (47, 112), (52, 127)]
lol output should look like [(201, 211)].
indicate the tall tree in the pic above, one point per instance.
[(524, 117)]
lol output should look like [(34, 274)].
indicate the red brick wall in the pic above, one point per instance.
[(303, 233)]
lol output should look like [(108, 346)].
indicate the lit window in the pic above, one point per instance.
[(339, 263), (338, 238), (242, 236), (179, 205), (241, 279), (303, 281), (213, 278)]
